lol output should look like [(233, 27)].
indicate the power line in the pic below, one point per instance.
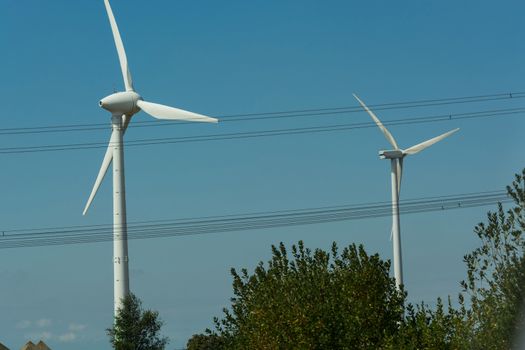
[(271, 115), (265, 133), (471, 195), (242, 222)]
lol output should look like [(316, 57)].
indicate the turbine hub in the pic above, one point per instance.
[(121, 103), (392, 154)]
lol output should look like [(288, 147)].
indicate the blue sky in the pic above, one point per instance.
[(218, 58)]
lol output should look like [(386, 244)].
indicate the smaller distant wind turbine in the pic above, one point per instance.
[(396, 160)]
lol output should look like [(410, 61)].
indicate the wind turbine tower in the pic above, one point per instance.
[(396, 157), (122, 106)]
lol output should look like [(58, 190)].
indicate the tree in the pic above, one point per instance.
[(496, 273), (205, 342), (135, 328), (317, 300), (495, 284), (325, 300), (433, 328)]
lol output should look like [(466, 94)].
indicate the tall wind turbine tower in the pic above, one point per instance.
[(396, 157), (122, 106)]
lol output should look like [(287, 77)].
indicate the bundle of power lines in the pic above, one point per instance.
[(271, 116), (243, 222)]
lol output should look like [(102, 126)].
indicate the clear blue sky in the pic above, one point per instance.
[(58, 59)]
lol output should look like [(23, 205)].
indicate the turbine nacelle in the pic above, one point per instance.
[(391, 154), (121, 103)]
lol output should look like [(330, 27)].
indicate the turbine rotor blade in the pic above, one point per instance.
[(399, 175), (399, 170), (106, 162), (165, 112), (421, 146), (120, 48), (385, 131), (125, 122)]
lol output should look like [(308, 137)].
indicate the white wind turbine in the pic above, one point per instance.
[(123, 105), (396, 160)]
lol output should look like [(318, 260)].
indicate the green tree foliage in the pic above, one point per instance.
[(205, 342), (320, 300), (494, 289), (496, 273), (135, 328), (316, 300), (433, 328)]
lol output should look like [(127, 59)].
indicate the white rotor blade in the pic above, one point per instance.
[(108, 157), (399, 175), (399, 167), (421, 146), (385, 131), (164, 112), (120, 48), (125, 122)]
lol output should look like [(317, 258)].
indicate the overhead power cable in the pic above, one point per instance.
[(243, 222), (271, 115), (265, 133)]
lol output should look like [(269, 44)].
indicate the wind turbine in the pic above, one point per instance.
[(396, 157), (122, 106)]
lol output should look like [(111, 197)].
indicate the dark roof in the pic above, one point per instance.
[(29, 346), (42, 346)]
